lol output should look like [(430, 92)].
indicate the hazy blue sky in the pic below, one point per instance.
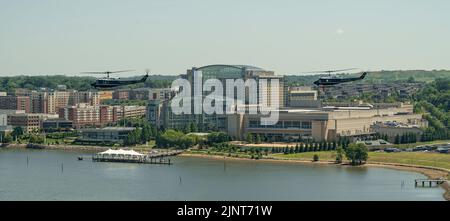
[(168, 36)]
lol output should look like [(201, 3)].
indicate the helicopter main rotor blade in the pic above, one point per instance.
[(105, 72), (120, 71), (330, 71)]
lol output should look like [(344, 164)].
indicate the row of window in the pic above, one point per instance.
[(282, 124)]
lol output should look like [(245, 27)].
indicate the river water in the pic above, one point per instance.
[(58, 175)]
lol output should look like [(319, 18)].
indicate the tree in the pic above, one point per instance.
[(36, 139), (146, 134), (315, 158), (133, 137), (193, 127), (186, 129), (7, 138), (339, 155), (303, 147), (357, 153), (307, 147), (17, 132), (249, 138), (217, 137), (397, 139), (291, 150), (257, 139), (173, 138)]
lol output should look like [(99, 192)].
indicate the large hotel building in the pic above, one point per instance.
[(301, 114)]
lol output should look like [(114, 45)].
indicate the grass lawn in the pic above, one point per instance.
[(151, 144), (323, 155), (416, 158), (413, 158)]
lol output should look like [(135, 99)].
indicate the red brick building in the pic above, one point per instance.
[(15, 103)]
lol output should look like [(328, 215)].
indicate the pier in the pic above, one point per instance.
[(131, 156), (428, 182)]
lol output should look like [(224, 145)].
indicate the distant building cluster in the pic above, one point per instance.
[(143, 94), (380, 91), (302, 114), (61, 109)]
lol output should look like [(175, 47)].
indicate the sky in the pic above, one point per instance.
[(171, 36)]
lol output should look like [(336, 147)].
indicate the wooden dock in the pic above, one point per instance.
[(428, 182), (126, 159)]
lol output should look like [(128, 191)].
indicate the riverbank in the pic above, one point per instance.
[(430, 172), (86, 149)]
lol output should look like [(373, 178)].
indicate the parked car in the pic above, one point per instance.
[(443, 150), (392, 150)]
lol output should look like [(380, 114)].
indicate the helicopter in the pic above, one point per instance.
[(110, 82), (334, 80)]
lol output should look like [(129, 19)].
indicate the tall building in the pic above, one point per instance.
[(81, 115), (4, 115), (244, 72), (105, 95), (222, 73), (121, 94), (40, 101), (121, 112), (161, 94), (155, 113), (139, 94), (48, 101), (106, 114), (29, 122), (22, 92), (302, 97), (15, 103), (89, 97)]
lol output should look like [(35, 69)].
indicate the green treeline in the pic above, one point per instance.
[(433, 102), (9, 84)]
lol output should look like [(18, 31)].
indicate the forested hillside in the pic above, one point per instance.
[(434, 102)]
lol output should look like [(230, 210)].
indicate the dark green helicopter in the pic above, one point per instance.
[(110, 82), (334, 80)]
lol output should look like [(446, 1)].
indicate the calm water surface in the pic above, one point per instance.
[(196, 179)]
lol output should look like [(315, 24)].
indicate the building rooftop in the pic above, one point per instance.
[(110, 129), (247, 67)]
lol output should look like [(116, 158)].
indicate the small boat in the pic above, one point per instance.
[(80, 158)]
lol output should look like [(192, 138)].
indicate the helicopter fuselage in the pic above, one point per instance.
[(328, 81), (103, 83)]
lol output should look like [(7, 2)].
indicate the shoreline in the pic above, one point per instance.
[(429, 172)]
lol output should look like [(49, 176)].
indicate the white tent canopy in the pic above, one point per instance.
[(121, 152)]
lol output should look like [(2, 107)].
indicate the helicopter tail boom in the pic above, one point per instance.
[(363, 75)]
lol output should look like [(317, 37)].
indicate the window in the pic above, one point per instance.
[(253, 124), (287, 124), (306, 125)]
